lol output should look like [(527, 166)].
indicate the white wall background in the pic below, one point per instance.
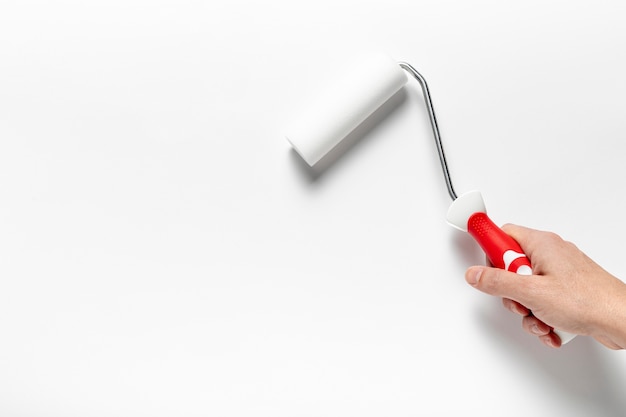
[(163, 251)]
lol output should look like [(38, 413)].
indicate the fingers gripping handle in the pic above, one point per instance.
[(503, 252)]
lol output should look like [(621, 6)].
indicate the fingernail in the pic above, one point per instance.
[(550, 343), (473, 276)]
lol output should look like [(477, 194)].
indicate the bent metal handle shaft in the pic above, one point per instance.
[(503, 252)]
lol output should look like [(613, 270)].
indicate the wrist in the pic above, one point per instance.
[(611, 327)]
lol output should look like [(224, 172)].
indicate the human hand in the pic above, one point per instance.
[(567, 290)]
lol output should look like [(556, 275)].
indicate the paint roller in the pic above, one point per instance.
[(352, 98)]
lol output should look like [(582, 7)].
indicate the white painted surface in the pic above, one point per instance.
[(163, 251)]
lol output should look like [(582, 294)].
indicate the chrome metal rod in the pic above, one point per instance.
[(433, 122)]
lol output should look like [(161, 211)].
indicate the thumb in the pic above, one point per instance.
[(495, 281)]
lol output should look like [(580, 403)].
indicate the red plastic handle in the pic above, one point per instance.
[(501, 249), (503, 252)]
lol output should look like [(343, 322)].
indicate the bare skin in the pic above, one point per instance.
[(568, 291)]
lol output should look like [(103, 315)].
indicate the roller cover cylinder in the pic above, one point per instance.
[(364, 86)]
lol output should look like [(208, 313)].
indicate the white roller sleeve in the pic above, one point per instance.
[(364, 86)]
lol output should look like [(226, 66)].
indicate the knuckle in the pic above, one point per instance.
[(553, 237)]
